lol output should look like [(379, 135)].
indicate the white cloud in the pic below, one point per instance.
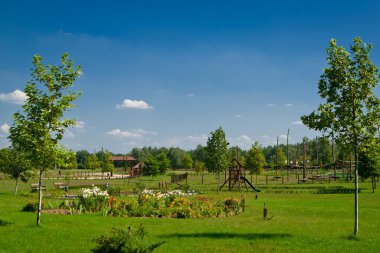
[(270, 105), (5, 128), (197, 139), (298, 123), (243, 141), (288, 105), (190, 94), (238, 116), (15, 97), (245, 138), (134, 104), (133, 133), (283, 136)]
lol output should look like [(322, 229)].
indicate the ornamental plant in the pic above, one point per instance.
[(93, 200)]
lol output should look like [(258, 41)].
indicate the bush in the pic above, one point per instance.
[(125, 241), (232, 206), (93, 200), (30, 207)]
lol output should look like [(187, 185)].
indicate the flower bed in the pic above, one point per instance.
[(149, 203)]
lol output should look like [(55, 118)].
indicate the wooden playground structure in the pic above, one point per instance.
[(236, 176)]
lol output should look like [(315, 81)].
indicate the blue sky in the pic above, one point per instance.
[(167, 73)]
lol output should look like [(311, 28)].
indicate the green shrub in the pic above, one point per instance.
[(30, 207), (232, 206), (125, 241)]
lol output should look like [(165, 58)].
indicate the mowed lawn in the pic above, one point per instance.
[(299, 221)]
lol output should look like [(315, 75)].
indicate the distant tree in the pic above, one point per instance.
[(281, 158), (351, 112), (92, 162), (187, 161), (14, 164), (107, 164), (199, 167), (255, 159), (38, 130), (175, 156), (199, 153), (151, 166), (66, 159), (163, 162), (82, 156), (369, 165), (217, 152)]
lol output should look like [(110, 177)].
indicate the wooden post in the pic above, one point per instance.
[(304, 160), (287, 154), (265, 212)]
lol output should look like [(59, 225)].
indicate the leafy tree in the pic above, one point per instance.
[(369, 165), (151, 166), (175, 156), (163, 162), (14, 164), (107, 164), (255, 159), (66, 159), (217, 152), (187, 161), (38, 130), (350, 114), (199, 166), (199, 153), (82, 156), (92, 162), (281, 158)]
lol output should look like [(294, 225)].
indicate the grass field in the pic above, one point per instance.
[(300, 220)]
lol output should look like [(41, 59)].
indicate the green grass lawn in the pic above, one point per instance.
[(301, 221)]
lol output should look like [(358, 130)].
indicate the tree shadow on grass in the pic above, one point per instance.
[(5, 223), (247, 236)]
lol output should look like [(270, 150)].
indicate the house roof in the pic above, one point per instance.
[(122, 158)]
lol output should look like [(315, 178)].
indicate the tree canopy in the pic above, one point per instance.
[(39, 128), (255, 159), (217, 152), (350, 114)]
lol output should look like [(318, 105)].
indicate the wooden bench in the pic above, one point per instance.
[(59, 185), (35, 187)]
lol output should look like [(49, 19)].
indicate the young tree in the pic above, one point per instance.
[(199, 167), (38, 130), (187, 161), (92, 162), (351, 114), (281, 158), (107, 164), (67, 160), (14, 164), (151, 166), (82, 156), (217, 152), (163, 162), (255, 159)]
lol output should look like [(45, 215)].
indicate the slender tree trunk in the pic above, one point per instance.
[(39, 198), (356, 227), (16, 188)]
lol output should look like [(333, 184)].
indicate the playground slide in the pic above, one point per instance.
[(246, 180)]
